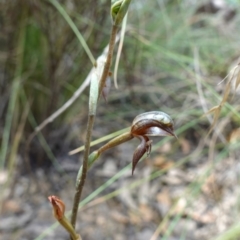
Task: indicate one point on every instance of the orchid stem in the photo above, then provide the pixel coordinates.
(96, 92)
(109, 59)
(81, 181)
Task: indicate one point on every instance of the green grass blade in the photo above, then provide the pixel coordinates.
(75, 29)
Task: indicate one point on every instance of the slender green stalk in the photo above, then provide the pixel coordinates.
(115, 142)
(67, 225)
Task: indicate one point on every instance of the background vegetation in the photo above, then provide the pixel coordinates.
(174, 57)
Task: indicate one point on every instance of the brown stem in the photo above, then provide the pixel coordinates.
(80, 185)
(109, 59)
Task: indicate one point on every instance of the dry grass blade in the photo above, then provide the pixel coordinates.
(66, 105)
(212, 110)
(226, 93)
(235, 78)
(217, 109)
(17, 137)
(12, 161)
(238, 78)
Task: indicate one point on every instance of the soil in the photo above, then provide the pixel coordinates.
(192, 202)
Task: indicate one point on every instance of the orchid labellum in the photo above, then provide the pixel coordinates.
(146, 125)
